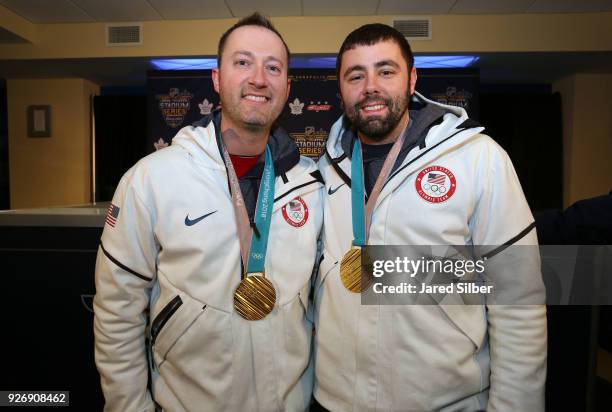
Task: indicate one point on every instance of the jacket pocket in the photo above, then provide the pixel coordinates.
(160, 320)
(469, 319)
(171, 323)
(195, 352)
(294, 359)
(326, 264)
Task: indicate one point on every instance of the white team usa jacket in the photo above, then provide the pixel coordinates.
(431, 357)
(174, 251)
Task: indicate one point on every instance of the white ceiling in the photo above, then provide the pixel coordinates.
(67, 11)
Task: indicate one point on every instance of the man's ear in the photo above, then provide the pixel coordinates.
(413, 79)
(215, 79)
(288, 88)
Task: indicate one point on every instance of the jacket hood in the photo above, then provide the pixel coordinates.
(202, 139)
(423, 117)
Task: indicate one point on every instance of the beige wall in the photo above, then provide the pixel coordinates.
(587, 135)
(56, 170)
(451, 33)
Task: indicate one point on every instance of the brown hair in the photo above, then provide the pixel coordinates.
(370, 34)
(254, 19)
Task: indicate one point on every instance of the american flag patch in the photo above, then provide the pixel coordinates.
(295, 206)
(112, 215)
(435, 178)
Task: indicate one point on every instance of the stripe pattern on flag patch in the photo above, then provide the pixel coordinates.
(112, 215)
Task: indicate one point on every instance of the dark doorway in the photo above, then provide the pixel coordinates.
(526, 122)
(4, 155)
(121, 138)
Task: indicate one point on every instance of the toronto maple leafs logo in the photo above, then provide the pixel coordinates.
(205, 107)
(296, 107)
(160, 144)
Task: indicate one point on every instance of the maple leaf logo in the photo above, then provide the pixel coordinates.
(296, 107)
(160, 144)
(205, 107)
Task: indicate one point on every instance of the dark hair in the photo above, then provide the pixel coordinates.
(370, 34)
(254, 19)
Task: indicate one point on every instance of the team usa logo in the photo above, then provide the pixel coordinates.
(436, 184)
(296, 212)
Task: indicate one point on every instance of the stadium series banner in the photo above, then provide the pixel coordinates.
(312, 108)
(179, 98)
(175, 99)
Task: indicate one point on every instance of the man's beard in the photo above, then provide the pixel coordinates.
(249, 119)
(378, 127)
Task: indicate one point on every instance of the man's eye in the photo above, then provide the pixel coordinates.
(355, 77)
(386, 72)
(274, 69)
(242, 63)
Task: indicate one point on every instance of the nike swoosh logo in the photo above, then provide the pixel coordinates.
(189, 222)
(332, 191)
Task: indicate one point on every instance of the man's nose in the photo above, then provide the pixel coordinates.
(258, 76)
(371, 85)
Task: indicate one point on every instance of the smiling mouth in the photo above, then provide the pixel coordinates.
(255, 98)
(373, 107)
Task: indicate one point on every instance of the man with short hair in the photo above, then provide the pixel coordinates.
(199, 235)
(425, 176)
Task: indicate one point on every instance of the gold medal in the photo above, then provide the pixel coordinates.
(255, 297)
(351, 270)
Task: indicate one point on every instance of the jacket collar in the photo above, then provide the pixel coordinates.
(425, 115)
(285, 153)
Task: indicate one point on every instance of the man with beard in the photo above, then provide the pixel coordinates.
(425, 176)
(197, 239)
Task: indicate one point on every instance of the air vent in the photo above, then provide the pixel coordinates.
(128, 34)
(414, 29)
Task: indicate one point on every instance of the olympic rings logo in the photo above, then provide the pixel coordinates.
(434, 188)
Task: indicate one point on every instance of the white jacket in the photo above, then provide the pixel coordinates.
(436, 357)
(206, 357)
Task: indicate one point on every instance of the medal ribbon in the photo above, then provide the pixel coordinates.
(253, 246)
(362, 211)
